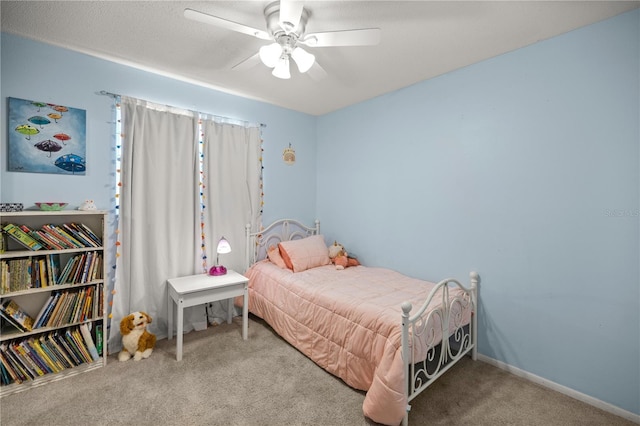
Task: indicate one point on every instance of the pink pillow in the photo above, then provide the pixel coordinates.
(306, 253)
(274, 256)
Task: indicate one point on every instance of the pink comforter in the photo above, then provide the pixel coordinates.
(347, 321)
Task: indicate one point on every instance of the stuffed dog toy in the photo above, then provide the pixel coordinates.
(137, 342)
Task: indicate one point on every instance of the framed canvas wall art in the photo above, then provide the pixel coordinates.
(46, 138)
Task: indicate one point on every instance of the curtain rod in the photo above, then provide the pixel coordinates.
(115, 95)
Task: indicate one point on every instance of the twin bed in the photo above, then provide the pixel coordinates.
(376, 329)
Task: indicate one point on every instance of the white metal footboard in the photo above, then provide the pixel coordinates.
(443, 333)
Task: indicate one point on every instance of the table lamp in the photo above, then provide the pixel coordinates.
(223, 247)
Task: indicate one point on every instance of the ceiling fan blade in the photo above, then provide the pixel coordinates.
(364, 37)
(225, 23)
(316, 72)
(290, 13)
(247, 63)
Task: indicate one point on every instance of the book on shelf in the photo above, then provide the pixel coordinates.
(53, 233)
(86, 308)
(88, 341)
(3, 241)
(17, 275)
(62, 354)
(60, 338)
(58, 230)
(22, 237)
(16, 372)
(77, 337)
(74, 314)
(26, 360)
(8, 325)
(5, 378)
(62, 278)
(60, 309)
(39, 273)
(13, 310)
(76, 347)
(50, 352)
(35, 357)
(63, 314)
(48, 233)
(79, 235)
(42, 343)
(99, 338)
(43, 319)
(16, 362)
(52, 316)
(43, 310)
(17, 378)
(53, 268)
(44, 359)
(88, 232)
(36, 236)
(4, 277)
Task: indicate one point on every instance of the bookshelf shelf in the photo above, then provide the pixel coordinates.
(51, 297)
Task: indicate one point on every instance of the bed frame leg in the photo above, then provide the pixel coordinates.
(475, 280)
(405, 419)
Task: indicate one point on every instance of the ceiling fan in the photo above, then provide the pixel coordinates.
(286, 24)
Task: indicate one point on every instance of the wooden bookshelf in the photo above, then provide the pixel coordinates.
(61, 287)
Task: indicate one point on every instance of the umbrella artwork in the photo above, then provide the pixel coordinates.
(60, 129)
(62, 137)
(71, 163)
(41, 121)
(48, 146)
(28, 130)
(39, 105)
(54, 116)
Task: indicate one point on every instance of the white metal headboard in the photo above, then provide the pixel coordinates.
(280, 230)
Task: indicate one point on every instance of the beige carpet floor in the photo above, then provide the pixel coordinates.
(223, 380)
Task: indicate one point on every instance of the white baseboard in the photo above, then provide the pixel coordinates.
(605, 406)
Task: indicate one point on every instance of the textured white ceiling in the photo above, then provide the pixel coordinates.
(420, 40)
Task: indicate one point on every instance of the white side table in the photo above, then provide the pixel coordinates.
(200, 289)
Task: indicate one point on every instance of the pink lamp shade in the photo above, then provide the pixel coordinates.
(223, 248)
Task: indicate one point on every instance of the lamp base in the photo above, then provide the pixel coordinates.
(217, 270)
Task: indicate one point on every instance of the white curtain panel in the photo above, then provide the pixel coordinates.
(232, 169)
(159, 216)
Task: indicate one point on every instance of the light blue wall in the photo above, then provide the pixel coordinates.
(524, 168)
(36, 71)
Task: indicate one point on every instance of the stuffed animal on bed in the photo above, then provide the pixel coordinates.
(137, 342)
(340, 258)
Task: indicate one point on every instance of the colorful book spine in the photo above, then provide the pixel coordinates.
(60, 338)
(9, 367)
(18, 366)
(99, 339)
(75, 347)
(12, 309)
(22, 237)
(89, 233)
(64, 357)
(88, 341)
(50, 351)
(78, 235)
(51, 234)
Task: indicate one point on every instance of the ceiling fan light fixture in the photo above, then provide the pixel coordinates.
(281, 70)
(270, 54)
(303, 59)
